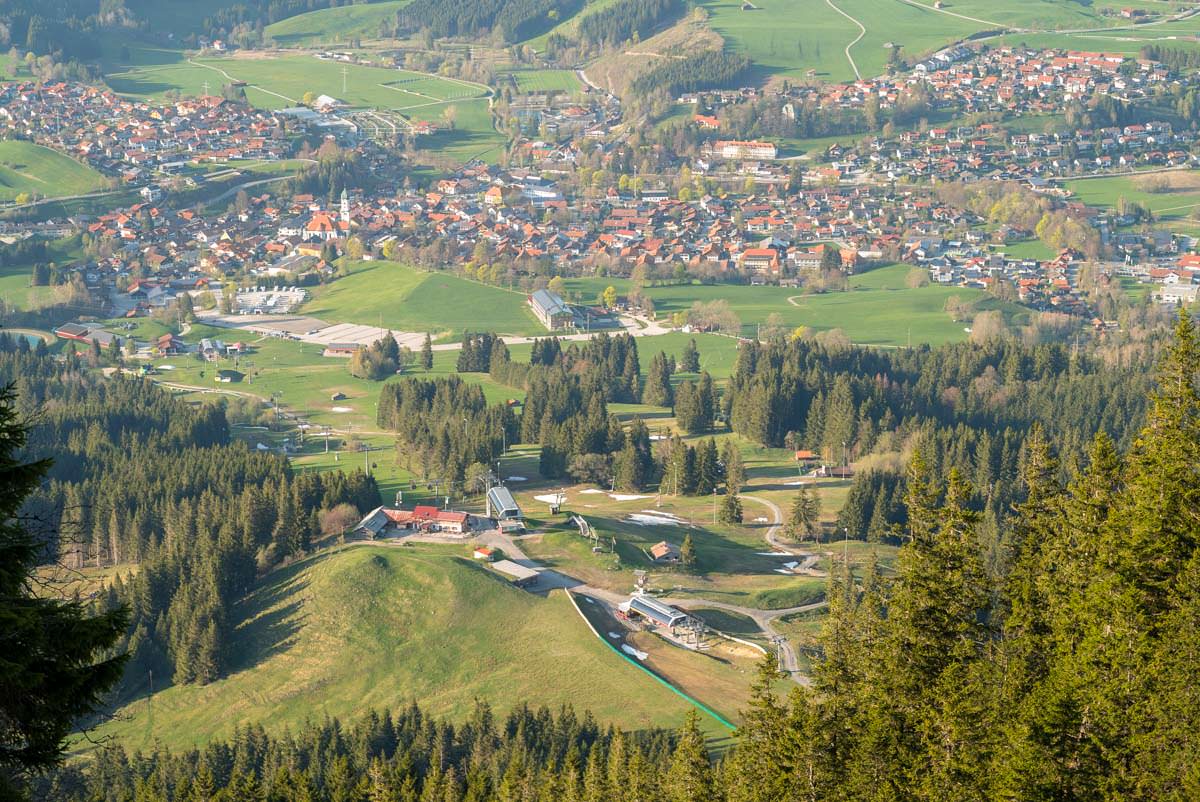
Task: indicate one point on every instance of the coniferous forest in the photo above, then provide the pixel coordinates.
(137, 476)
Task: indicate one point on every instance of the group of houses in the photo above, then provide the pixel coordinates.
(136, 141)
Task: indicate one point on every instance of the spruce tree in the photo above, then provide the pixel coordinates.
(689, 776)
(427, 353)
(731, 509)
(735, 468)
(57, 663)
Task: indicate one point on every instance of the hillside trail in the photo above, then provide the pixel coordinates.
(862, 32)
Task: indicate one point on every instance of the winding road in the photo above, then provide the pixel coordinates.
(553, 579)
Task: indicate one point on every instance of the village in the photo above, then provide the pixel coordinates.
(804, 223)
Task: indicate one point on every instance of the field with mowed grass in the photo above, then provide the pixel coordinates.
(406, 299)
(788, 38)
(29, 169)
(333, 25)
(15, 279)
(378, 626)
(528, 81)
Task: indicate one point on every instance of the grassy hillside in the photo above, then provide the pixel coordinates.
(329, 25)
(33, 169)
(377, 627)
(406, 299)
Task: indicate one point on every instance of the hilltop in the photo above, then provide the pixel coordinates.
(377, 626)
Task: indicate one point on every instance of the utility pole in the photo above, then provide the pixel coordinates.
(714, 505)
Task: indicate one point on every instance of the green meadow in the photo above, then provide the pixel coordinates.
(406, 299)
(15, 288)
(379, 626)
(26, 168)
(333, 25)
(274, 82)
(1179, 201)
(878, 309)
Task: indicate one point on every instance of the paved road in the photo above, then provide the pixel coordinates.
(552, 579)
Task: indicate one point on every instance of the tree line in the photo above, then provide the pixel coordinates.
(445, 429)
(515, 20)
(617, 23)
(711, 69)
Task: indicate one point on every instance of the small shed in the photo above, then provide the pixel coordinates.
(664, 552)
(520, 575)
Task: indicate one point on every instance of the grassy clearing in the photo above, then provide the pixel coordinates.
(405, 299)
(26, 168)
(878, 310)
(380, 626)
(1179, 199)
(15, 289)
(329, 25)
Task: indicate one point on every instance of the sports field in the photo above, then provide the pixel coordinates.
(373, 626)
(26, 168)
(333, 25)
(529, 81)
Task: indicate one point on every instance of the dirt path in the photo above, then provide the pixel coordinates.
(862, 32)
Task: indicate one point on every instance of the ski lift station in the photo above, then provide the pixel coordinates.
(501, 505)
(650, 608)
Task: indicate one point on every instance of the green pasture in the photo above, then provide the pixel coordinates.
(333, 25)
(406, 299)
(878, 310)
(378, 626)
(1105, 193)
(36, 170)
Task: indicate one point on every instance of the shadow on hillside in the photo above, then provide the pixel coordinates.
(271, 617)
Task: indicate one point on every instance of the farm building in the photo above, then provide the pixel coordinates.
(551, 310)
(382, 520)
(664, 552)
(501, 504)
(653, 610)
(518, 574)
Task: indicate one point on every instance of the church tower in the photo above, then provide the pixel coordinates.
(345, 206)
